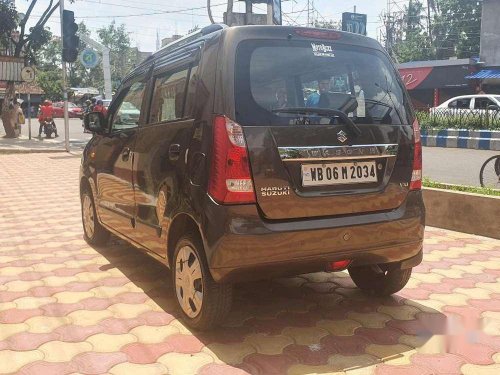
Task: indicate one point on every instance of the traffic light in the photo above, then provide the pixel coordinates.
(70, 41)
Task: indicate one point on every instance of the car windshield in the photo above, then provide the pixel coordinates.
(272, 76)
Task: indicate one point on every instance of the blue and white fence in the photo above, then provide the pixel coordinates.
(475, 139)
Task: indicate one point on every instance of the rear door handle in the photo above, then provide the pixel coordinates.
(174, 151)
(125, 153)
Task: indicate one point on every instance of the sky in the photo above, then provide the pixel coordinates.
(144, 19)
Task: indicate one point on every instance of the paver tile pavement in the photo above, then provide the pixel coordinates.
(66, 307)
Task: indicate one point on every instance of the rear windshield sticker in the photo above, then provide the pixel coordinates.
(322, 50)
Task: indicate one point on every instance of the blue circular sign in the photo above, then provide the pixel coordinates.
(89, 58)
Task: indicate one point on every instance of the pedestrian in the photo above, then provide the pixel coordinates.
(19, 118)
(9, 122)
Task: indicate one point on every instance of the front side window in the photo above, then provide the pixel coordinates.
(129, 111)
(272, 76)
(168, 97)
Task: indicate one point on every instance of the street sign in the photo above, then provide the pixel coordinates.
(89, 58)
(10, 68)
(354, 23)
(28, 74)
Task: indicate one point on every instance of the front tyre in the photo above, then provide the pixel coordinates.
(203, 303)
(93, 232)
(379, 282)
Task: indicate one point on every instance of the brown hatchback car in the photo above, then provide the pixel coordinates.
(258, 152)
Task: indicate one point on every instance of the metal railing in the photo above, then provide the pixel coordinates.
(449, 118)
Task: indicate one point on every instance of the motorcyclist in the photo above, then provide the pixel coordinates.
(99, 107)
(45, 115)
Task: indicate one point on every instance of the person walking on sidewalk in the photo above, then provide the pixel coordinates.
(9, 121)
(18, 118)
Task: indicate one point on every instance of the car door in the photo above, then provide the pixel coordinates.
(114, 160)
(159, 157)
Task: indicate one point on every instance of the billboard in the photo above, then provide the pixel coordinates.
(354, 23)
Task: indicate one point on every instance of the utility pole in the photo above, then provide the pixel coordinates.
(248, 12)
(429, 26)
(64, 84)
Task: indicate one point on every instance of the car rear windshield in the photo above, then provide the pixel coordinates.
(273, 76)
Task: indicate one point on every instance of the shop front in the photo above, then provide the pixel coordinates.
(431, 83)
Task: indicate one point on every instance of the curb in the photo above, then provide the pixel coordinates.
(462, 212)
(5, 151)
(472, 139)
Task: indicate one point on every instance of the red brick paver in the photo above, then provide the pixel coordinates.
(66, 307)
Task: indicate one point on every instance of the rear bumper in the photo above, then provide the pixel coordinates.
(248, 248)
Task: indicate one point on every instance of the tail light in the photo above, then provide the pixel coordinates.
(339, 265)
(230, 179)
(416, 176)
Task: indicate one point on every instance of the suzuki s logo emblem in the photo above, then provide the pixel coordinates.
(342, 136)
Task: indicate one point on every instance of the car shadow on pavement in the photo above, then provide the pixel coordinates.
(309, 323)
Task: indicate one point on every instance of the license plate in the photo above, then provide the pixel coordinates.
(339, 173)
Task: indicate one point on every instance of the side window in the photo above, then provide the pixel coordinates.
(460, 104)
(128, 113)
(168, 96)
(482, 103)
(191, 92)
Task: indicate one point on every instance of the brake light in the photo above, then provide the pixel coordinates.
(339, 265)
(318, 34)
(416, 176)
(230, 179)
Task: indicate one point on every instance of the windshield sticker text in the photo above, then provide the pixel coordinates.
(322, 50)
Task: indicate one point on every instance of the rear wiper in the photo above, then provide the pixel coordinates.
(324, 112)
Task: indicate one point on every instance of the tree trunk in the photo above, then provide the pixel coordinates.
(7, 113)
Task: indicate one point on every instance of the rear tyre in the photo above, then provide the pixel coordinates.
(379, 282)
(202, 302)
(93, 232)
(490, 173)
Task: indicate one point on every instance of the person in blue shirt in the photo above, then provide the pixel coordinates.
(320, 99)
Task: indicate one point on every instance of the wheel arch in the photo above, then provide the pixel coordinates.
(182, 223)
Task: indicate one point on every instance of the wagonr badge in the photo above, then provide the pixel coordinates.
(342, 136)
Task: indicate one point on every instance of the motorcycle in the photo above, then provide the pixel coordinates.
(49, 127)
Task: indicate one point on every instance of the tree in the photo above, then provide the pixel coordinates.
(49, 71)
(122, 56)
(26, 44)
(415, 44)
(449, 28)
(457, 28)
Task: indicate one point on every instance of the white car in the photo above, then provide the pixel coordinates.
(468, 103)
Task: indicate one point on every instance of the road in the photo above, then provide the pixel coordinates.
(75, 129)
(454, 165)
(447, 165)
(67, 307)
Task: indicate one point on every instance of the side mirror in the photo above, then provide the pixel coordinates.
(493, 108)
(95, 122)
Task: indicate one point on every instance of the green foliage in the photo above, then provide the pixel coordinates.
(457, 28)
(454, 32)
(122, 56)
(51, 83)
(466, 189)
(8, 22)
(470, 121)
